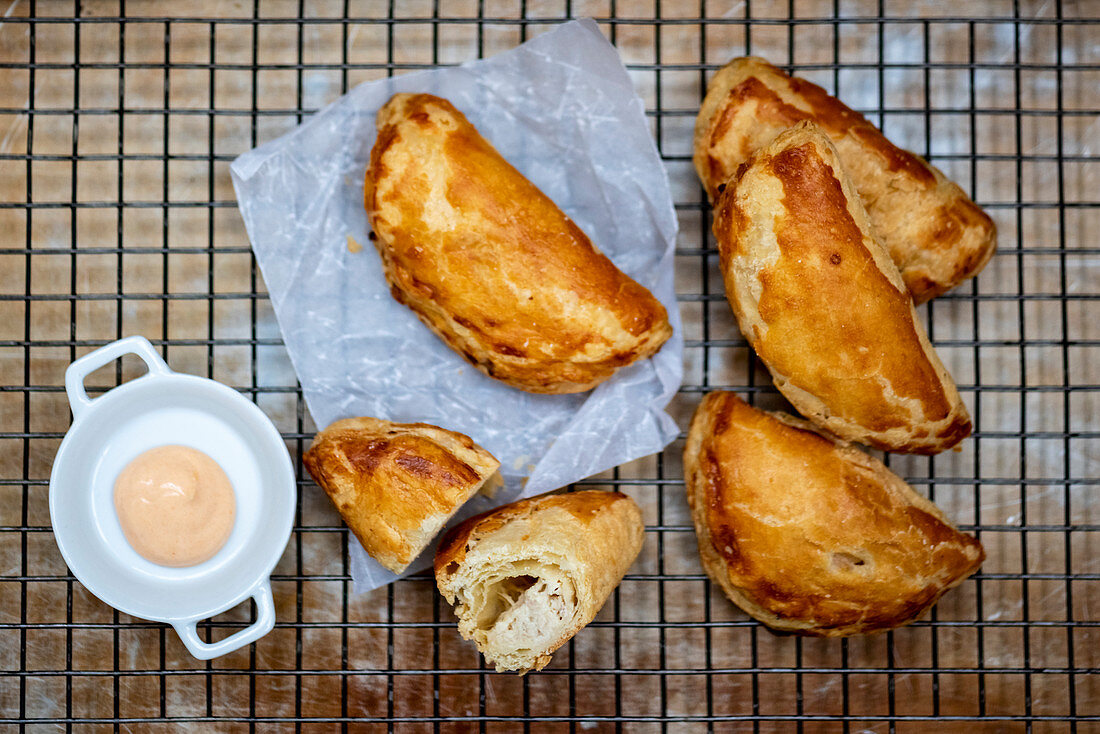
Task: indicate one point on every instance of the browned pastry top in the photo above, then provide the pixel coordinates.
(829, 113)
(491, 264)
(583, 506)
(824, 307)
(935, 234)
(809, 534)
(396, 484)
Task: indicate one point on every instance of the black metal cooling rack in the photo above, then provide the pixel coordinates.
(117, 125)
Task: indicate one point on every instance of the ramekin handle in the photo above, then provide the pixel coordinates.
(81, 368)
(265, 622)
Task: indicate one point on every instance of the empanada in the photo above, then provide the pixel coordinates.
(808, 534)
(528, 576)
(396, 484)
(824, 307)
(935, 234)
(490, 264)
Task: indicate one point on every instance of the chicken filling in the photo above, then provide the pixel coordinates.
(526, 612)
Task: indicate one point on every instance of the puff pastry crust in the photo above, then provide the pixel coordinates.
(809, 535)
(819, 299)
(935, 234)
(528, 576)
(491, 265)
(396, 484)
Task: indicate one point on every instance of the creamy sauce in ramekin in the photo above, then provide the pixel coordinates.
(176, 505)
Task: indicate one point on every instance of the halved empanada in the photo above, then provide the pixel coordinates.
(396, 484)
(528, 576)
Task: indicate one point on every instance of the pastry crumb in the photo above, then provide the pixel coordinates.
(492, 485)
(353, 246)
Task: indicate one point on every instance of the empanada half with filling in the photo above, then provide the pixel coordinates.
(528, 576)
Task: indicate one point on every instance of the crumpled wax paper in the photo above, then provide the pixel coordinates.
(562, 109)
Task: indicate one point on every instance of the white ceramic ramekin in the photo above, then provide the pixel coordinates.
(158, 408)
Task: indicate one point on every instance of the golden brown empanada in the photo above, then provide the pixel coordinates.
(528, 576)
(935, 234)
(490, 264)
(396, 484)
(824, 307)
(808, 534)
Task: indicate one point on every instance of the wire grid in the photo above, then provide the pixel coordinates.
(117, 126)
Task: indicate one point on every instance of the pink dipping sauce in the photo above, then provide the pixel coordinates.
(176, 505)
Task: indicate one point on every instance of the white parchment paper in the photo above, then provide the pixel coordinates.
(562, 109)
